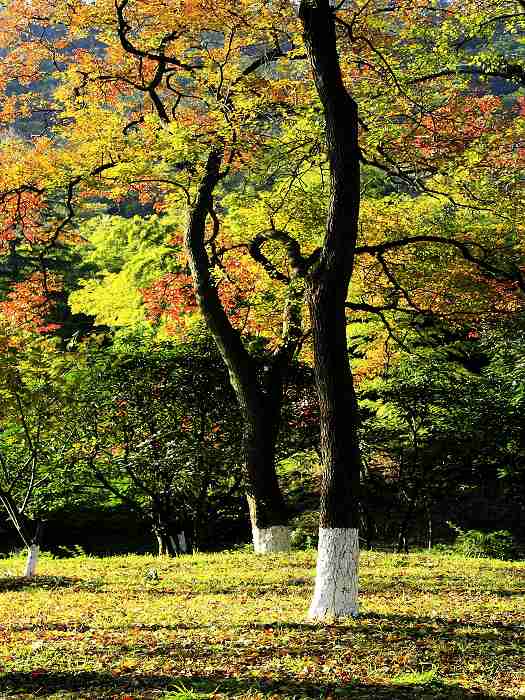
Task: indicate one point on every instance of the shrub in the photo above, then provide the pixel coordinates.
(305, 531)
(498, 544)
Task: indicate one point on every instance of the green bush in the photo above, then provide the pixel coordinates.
(305, 533)
(75, 550)
(498, 544)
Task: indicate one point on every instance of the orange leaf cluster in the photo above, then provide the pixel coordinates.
(30, 302)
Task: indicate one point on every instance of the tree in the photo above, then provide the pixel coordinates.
(336, 583)
(173, 295)
(440, 432)
(388, 100)
(31, 435)
(157, 427)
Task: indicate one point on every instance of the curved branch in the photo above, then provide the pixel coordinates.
(240, 365)
(298, 264)
(123, 29)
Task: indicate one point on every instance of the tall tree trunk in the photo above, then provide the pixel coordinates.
(336, 586)
(268, 511)
(267, 507)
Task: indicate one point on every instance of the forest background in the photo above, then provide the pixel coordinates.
(120, 428)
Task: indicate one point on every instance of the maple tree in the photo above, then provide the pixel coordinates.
(184, 104)
(262, 477)
(332, 283)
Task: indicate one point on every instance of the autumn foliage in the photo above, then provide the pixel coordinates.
(122, 101)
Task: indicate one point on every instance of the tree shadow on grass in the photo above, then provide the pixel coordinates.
(375, 587)
(209, 588)
(490, 581)
(402, 624)
(102, 685)
(168, 587)
(399, 621)
(77, 626)
(47, 583)
(364, 623)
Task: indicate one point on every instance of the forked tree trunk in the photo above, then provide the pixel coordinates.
(268, 511)
(268, 538)
(336, 587)
(269, 514)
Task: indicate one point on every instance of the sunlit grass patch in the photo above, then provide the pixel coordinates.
(233, 625)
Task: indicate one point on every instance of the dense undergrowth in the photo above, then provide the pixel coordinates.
(232, 626)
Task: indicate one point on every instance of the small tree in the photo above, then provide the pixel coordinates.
(30, 434)
(157, 427)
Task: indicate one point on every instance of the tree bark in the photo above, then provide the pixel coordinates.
(268, 512)
(33, 550)
(261, 413)
(327, 289)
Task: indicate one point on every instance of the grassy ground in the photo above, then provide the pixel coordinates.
(232, 626)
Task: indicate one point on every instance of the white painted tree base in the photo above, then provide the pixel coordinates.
(271, 539)
(179, 546)
(31, 561)
(336, 581)
(183, 545)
